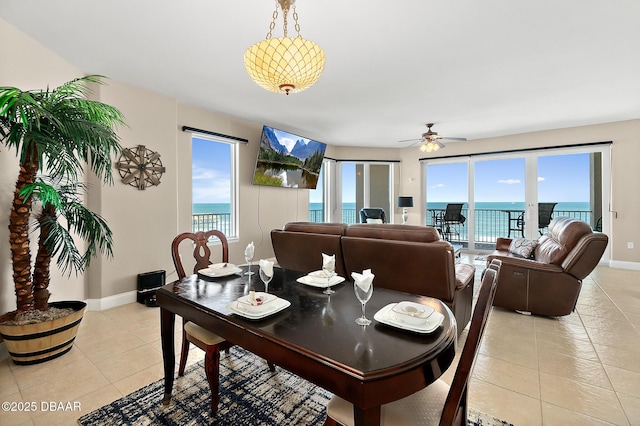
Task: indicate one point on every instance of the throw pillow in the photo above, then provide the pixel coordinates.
(523, 247)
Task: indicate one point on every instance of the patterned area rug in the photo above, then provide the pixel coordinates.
(249, 395)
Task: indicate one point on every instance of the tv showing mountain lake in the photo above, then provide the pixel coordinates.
(288, 160)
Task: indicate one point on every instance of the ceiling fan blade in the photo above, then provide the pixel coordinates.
(445, 138)
(142, 183)
(410, 140)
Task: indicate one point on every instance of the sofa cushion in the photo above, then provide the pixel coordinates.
(316, 228)
(387, 231)
(523, 247)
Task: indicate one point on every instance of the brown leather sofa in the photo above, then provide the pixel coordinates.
(299, 245)
(550, 283)
(407, 258)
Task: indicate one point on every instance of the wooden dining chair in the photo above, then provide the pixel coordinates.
(438, 403)
(209, 342)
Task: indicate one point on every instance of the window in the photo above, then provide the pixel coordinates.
(316, 198)
(365, 184)
(516, 194)
(213, 185)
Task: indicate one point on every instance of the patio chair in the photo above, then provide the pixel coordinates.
(447, 222)
(545, 214)
(372, 215)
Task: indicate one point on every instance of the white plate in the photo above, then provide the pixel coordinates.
(388, 317)
(274, 307)
(219, 270)
(320, 282)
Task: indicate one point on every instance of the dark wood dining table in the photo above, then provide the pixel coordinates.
(316, 337)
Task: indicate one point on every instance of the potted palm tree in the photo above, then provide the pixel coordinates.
(56, 134)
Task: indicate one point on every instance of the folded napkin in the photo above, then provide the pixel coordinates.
(267, 267)
(363, 280)
(249, 251)
(329, 262)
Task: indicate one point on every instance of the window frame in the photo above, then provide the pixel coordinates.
(233, 234)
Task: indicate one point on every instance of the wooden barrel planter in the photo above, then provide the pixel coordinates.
(36, 343)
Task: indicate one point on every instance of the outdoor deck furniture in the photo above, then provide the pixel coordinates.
(447, 222)
(516, 218)
(372, 215)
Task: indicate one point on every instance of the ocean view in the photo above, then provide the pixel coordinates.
(213, 208)
(491, 220)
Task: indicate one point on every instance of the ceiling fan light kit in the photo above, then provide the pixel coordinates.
(431, 141)
(284, 65)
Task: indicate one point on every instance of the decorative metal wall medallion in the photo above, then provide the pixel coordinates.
(140, 167)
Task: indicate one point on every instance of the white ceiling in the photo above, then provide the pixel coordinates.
(476, 68)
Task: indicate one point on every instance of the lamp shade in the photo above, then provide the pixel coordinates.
(405, 201)
(284, 65)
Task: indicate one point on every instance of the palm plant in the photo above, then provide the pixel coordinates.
(56, 132)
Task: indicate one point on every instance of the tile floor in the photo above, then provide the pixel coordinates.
(582, 369)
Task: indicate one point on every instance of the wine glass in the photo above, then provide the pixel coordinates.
(248, 257)
(363, 296)
(265, 279)
(329, 269)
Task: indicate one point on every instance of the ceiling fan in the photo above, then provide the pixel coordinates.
(431, 141)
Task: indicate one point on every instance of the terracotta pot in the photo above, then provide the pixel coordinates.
(36, 343)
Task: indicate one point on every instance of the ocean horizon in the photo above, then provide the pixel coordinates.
(213, 208)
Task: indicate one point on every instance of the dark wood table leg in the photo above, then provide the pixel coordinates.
(368, 417)
(167, 327)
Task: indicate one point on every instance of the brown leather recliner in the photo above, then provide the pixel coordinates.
(412, 259)
(550, 283)
(299, 245)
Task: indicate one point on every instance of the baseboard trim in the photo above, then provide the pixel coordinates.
(111, 301)
(620, 264)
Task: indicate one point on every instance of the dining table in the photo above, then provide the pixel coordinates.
(315, 335)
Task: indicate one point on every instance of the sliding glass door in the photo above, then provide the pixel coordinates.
(365, 184)
(517, 194)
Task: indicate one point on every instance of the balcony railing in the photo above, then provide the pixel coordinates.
(208, 221)
(348, 216)
(491, 224)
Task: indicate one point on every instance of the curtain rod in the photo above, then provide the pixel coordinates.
(208, 132)
(509, 151)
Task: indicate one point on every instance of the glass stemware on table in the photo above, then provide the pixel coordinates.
(363, 287)
(266, 273)
(329, 270)
(248, 256)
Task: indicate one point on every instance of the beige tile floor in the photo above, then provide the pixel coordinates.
(582, 369)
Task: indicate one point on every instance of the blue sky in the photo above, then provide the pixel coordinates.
(561, 178)
(211, 167)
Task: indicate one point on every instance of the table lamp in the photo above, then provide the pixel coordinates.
(405, 202)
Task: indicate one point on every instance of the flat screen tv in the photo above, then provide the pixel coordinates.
(288, 160)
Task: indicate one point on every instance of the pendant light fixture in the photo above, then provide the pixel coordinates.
(284, 65)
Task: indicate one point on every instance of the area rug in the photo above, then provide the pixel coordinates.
(249, 395)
